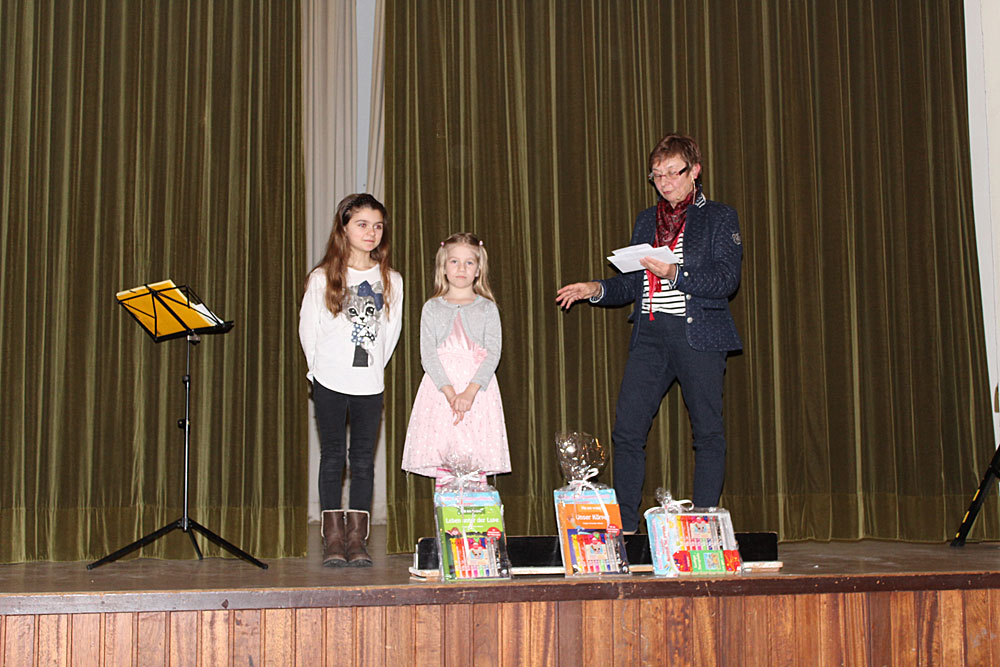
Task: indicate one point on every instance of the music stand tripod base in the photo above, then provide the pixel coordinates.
(192, 525)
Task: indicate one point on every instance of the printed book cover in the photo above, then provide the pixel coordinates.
(590, 531)
(471, 539)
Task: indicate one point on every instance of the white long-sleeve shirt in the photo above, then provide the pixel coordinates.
(336, 347)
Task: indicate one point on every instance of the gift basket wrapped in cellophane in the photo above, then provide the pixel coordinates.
(472, 543)
(684, 539)
(587, 514)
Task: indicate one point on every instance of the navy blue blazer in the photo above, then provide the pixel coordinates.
(710, 275)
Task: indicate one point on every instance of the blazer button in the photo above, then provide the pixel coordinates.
(686, 274)
(690, 320)
(688, 297)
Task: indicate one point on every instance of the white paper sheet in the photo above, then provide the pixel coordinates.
(627, 259)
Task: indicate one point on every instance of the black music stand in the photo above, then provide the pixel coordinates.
(978, 498)
(167, 311)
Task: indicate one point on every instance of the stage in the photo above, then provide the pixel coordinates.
(866, 602)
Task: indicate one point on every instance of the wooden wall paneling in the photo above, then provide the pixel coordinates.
(52, 643)
(928, 618)
(182, 637)
(18, 641)
(992, 622)
(399, 636)
(626, 628)
(679, 649)
(247, 637)
(486, 629)
(903, 617)
(880, 628)
(781, 612)
(983, 612)
(456, 634)
(569, 633)
(756, 629)
(831, 631)
(515, 624)
(369, 623)
(339, 632)
(428, 626)
(151, 630)
(807, 622)
(856, 628)
(652, 630)
(597, 620)
(309, 645)
(119, 639)
(732, 631)
(541, 632)
(705, 630)
(86, 638)
(214, 638)
(952, 605)
(278, 637)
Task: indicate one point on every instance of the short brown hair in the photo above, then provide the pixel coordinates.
(675, 144)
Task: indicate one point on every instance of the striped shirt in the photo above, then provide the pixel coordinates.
(668, 301)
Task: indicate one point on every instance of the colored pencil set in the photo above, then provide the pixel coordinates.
(692, 542)
(471, 538)
(590, 535)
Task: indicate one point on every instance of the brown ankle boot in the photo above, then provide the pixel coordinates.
(357, 535)
(332, 531)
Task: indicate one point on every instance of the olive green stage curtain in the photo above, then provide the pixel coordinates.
(140, 141)
(837, 129)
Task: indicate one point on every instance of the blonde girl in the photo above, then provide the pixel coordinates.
(457, 413)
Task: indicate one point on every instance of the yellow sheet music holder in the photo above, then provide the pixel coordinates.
(165, 311)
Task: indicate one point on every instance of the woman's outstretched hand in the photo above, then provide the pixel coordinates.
(570, 294)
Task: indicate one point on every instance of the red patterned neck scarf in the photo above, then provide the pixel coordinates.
(670, 220)
(669, 225)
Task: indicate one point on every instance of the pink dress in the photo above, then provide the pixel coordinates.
(481, 436)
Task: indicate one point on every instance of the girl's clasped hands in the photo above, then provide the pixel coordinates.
(461, 403)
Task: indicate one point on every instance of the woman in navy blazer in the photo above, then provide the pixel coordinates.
(682, 328)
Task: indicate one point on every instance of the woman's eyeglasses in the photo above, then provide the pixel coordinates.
(669, 176)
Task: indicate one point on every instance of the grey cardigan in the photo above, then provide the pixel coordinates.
(481, 321)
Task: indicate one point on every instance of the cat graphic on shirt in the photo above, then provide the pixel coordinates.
(362, 307)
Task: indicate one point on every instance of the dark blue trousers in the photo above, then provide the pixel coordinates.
(332, 412)
(660, 356)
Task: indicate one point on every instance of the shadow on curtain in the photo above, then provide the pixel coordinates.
(859, 407)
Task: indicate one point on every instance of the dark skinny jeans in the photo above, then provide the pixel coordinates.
(333, 410)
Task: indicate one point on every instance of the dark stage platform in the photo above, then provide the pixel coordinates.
(838, 602)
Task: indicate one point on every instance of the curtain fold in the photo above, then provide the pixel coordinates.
(376, 116)
(144, 141)
(838, 130)
(330, 110)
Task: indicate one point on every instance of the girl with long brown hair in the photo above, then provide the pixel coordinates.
(349, 324)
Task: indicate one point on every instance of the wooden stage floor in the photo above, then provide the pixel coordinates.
(854, 603)
(227, 583)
